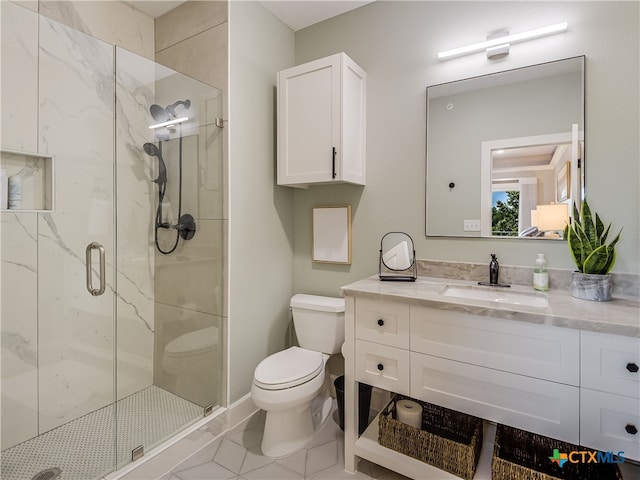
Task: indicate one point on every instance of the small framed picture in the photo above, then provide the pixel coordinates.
(563, 183)
(332, 234)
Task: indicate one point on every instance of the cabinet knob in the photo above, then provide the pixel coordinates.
(380, 367)
(381, 323)
(631, 429)
(632, 367)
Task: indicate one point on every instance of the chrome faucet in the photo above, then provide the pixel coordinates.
(494, 272)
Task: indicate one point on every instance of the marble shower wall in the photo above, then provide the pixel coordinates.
(66, 108)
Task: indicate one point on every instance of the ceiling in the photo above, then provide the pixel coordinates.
(295, 14)
(300, 14)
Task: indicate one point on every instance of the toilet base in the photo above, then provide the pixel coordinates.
(286, 431)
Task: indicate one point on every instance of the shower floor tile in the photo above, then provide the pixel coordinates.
(86, 447)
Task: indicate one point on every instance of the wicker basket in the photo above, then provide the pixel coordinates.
(448, 439)
(520, 455)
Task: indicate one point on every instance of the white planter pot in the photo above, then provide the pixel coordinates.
(589, 286)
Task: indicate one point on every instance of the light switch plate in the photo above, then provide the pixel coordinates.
(472, 225)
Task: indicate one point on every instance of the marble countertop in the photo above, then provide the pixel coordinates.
(620, 316)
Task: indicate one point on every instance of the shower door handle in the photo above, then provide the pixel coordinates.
(95, 291)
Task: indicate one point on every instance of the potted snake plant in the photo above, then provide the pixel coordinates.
(594, 257)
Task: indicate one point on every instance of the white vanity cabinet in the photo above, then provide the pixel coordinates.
(521, 375)
(576, 386)
(321, 122)
(610, 393)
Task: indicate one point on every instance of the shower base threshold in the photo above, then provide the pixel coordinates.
(86, 448)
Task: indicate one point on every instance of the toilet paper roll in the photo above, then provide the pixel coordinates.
(409, 412)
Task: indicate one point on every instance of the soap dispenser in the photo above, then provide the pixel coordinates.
(540, 274)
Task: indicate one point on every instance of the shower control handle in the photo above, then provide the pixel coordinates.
(89, 250)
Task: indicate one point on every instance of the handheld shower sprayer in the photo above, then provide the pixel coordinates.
(153, 151)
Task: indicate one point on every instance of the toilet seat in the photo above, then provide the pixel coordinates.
(193, 343)
(288, 368)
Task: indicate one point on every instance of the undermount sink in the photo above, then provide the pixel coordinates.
(495, 294)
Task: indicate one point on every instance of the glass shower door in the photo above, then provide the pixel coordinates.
(170, 255)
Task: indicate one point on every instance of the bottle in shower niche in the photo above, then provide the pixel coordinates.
(15, 192)
(541, 274)
(4, 187)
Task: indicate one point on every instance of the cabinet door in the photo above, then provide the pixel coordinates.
(610, 363)
(308, 122)
(383, 322)
(538, 406)
(610, 422)
(540, 351)
(382, 366)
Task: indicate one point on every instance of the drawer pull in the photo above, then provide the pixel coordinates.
(381, 323)
(380, 367)
(631, 429)
(632, 367)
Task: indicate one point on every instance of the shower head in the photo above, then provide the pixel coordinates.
(159, 114)
(169, 112)
(153, 151)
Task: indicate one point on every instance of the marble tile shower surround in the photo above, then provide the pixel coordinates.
(113, 22)
(624, 284)
(59, 99)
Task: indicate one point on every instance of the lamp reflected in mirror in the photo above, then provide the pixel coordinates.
(397, 259)
(550, 220)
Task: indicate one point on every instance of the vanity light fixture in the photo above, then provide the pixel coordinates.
(499, 46)
(169, 123)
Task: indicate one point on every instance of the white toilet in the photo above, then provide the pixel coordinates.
(290, 385)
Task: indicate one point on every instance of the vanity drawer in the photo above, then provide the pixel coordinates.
(540, 351)
(383, 322)
(538, 406)
(382, 366)
(605, 419)
(610, 363)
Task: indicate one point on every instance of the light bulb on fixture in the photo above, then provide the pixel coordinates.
(496, 46)
(169, 123)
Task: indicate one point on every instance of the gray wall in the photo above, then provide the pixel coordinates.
(260, 213)
(396, 43)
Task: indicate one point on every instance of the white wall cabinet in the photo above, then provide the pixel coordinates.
(321, 122)
(576, 386)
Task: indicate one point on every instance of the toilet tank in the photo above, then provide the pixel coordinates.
(319, 322)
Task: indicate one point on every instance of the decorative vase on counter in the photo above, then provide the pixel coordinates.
(591, 286)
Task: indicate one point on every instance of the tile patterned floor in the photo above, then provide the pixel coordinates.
(236, 455)
(85, 448)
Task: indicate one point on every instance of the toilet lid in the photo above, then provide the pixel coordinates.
(288, 368)
(193, 343)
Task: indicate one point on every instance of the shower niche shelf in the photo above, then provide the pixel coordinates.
(36, 170)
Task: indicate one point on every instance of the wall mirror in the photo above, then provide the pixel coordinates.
(503, 147)
(397, 259)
